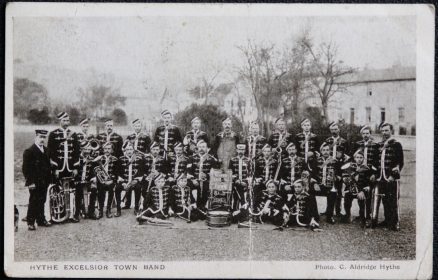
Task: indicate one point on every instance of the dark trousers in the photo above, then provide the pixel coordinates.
(203, 195)
(240, 216)
(364, 206)
(79, 199)
(238, 196)
(136, 190)
(118, 194)
(35, 210)
(331, 201)
(101, 193)
(93, 198)
(338, 203)
(184, 213)
(390, 200)
(258, 193)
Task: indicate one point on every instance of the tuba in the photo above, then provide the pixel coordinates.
(101, 174)
(61, 200)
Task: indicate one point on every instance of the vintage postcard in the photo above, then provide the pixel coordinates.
(219, 140)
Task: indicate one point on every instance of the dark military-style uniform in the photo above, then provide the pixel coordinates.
(201, 164)
(291, 169)
(36, 170)
(64, 151)
(264, 170)
(303, 208)
(177, 166)
(153, 166)
(182, 202)
(278, 140)
(111, 166)
(254, 145)
(83, 183)
(370, 150)
(224, 147)
(240, 167)
(307, 142)
(390, 164)
(276, 205)
(158, 201)
(84, 137)
(192, 138)
(115, 139)
(167, 137)
(130, 169)
(356, 178)
(141, 143)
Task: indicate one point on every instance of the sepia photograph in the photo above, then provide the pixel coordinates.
(149, 136)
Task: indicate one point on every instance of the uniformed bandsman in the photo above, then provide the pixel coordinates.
(265, 169)
(303, 207)
(131, 174)
(225, 142)
(105, 179)
(254, 142)
(64, 149)
(158, 201)
(110, 136)
(177, 163)
(272, 208)
(182, 200)
(390, 166)
(369, 147)
(84, 134)
(167, 135)
(83, 183)
(307, 143)
(154, 165)
(193, 136)
(280, 138)
(198, 169)
(240, 167)
(291, 168)
(356, 177)
(326, 172)
(139, 139)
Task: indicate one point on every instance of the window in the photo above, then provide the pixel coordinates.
(352, 115)
(401, 114)
(382, 114)
(368, 114)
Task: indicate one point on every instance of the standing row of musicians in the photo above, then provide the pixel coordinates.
(274, 167)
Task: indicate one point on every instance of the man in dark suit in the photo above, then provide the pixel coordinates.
(36, 170)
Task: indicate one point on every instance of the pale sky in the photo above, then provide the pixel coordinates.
(179, 50)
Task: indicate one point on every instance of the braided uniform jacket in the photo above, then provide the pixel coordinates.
(193, 167)
(287, 138)
(115, 139)
(276, 203)
(370, 150)
(181, 197)
(265, 168)
(189, 147)
(159, 199)
(64, 149)
(142, 142)
(312, 143)
(134, 165)
(245, 166)
(292, 167)
(85, 170)
(183, 161)
(82, 136)
(391, 159)
(161, 164)
(110, 163)
(360, 174)
(341, 147)
(173, 136)
(254, 145)
(326, 171)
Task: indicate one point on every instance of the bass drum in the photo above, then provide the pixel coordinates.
(218, 218)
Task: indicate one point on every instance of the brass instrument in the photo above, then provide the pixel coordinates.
(102, 175)
(61, 200)
(329, 182)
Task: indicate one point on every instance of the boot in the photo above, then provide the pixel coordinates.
(118, 213)
(100, 214)
(108, 213)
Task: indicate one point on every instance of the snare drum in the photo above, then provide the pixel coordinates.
(218, 218)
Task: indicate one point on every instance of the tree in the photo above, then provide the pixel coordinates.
(39, 116)
(99, 100)
(74, 114)
(206, 87)
(327, 69)
(119, 116)
(29, 95)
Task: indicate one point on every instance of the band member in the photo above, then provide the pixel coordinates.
(198, 169)
(271, 208)
(291, 168)
(304, 210)
(369, 148)
(193, 136)
(307, 142)
(254, 142)
(265, 169)
(36, 171)
(240, 166)
(390, 165)
(338, 150)
(177, 163)
(167, 135)
(64, 149)
(154, 165)
(356, 177)
(280, 138)
(140, 140)
(105, 178)
(110, 136)
(158, 201)
(84, 135)
(327, 173)
(182, 200)
(225, 144)
(83, 183)
(131, 175)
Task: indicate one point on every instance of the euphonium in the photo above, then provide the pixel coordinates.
(101, 174)
(61, 200)
(94, 144)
